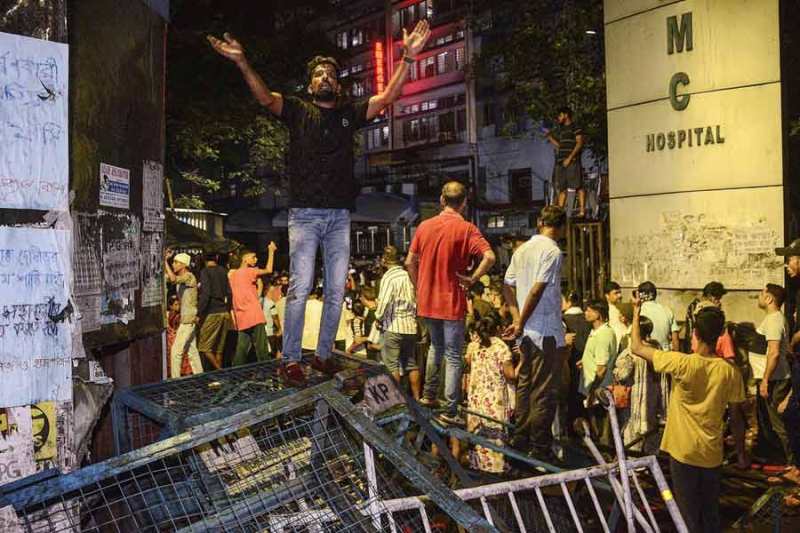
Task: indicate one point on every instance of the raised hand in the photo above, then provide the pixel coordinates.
(229, 48)
(414, 42)
(272, 247)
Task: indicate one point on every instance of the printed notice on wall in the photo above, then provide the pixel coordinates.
(152, 196)
(115, 186)
(152, 270)
(35, 318)
(16, 445)
(34, 154)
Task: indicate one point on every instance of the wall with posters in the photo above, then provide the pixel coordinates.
(81, 219)
(117, 167)
(696, 131)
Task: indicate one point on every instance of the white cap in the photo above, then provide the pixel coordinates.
(183, 258)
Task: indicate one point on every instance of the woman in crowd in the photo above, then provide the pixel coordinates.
(636, 395)
(491, 392)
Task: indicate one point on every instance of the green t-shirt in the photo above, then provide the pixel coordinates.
(601, 350)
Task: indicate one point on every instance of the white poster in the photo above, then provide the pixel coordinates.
(35, 327)
(88, 312)
(115, 186)
(34, 158)
(153, 196)
(152, 270)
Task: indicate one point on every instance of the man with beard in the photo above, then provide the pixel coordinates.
(322, 188)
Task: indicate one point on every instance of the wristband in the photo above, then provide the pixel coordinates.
(409, 60)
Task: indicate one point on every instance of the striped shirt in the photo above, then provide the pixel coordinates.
(397, 304)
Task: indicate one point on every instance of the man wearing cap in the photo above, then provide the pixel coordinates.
(711, 297)
(186, 337)
(397, 314)
(322, 187)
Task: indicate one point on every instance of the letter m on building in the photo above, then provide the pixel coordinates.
(679, 37)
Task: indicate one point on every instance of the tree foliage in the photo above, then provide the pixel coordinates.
(540, 55)
(217, 135)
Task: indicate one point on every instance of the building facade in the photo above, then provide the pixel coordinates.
(446, 124)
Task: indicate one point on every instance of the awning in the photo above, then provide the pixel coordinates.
(181, 234)
(371, 208)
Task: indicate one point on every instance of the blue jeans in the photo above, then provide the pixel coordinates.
(308, 230)
(447, 339)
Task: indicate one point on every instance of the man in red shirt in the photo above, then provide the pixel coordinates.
(248, 316)
(441, 252)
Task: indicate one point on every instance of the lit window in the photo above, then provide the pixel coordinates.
(441, 63)
(460, 58)
(433, 104)
(357, 37)
(448, 38)
(427, 67)
(412, 71)
(415, 108)
(460, 34)
(424, 106)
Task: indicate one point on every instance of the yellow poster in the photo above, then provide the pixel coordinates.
(43, 417)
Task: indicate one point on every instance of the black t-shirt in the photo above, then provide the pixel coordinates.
(321, 153)
(214, 291)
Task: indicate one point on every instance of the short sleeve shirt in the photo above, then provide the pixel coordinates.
(187, 292)
(567, 137)
(601, 350)
(702, 387)
(320, 162)
(664, 323)
(246, 306)
(774, 328)
(446, 245)
(539, 260)
(270, 313)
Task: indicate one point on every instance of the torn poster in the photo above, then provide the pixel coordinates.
(16, 446)
(152, 270)
(35, 316)
(43, 423)
(153, 196)
(115, 186)
(88, 312)
(86, 257)
(34, 158)
(121, 246)
(51, 425)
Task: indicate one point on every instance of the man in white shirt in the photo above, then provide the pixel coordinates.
(397, 315)
(313, 320)
(665, 328)
(532, 290)
(613, 294)
(771, 370)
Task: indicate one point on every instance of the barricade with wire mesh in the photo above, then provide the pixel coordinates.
(147, 413)
(302, 463)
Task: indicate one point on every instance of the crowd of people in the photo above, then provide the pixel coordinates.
(503, 352)
(489, 334)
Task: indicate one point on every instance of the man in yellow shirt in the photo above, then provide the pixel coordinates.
(703, 386)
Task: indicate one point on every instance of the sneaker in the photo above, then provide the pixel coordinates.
(452, 420)
(429, 403)
(293, 374)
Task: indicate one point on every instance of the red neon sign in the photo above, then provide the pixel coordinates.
(380, 74)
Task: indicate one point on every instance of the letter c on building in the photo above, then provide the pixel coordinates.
(678, 103)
